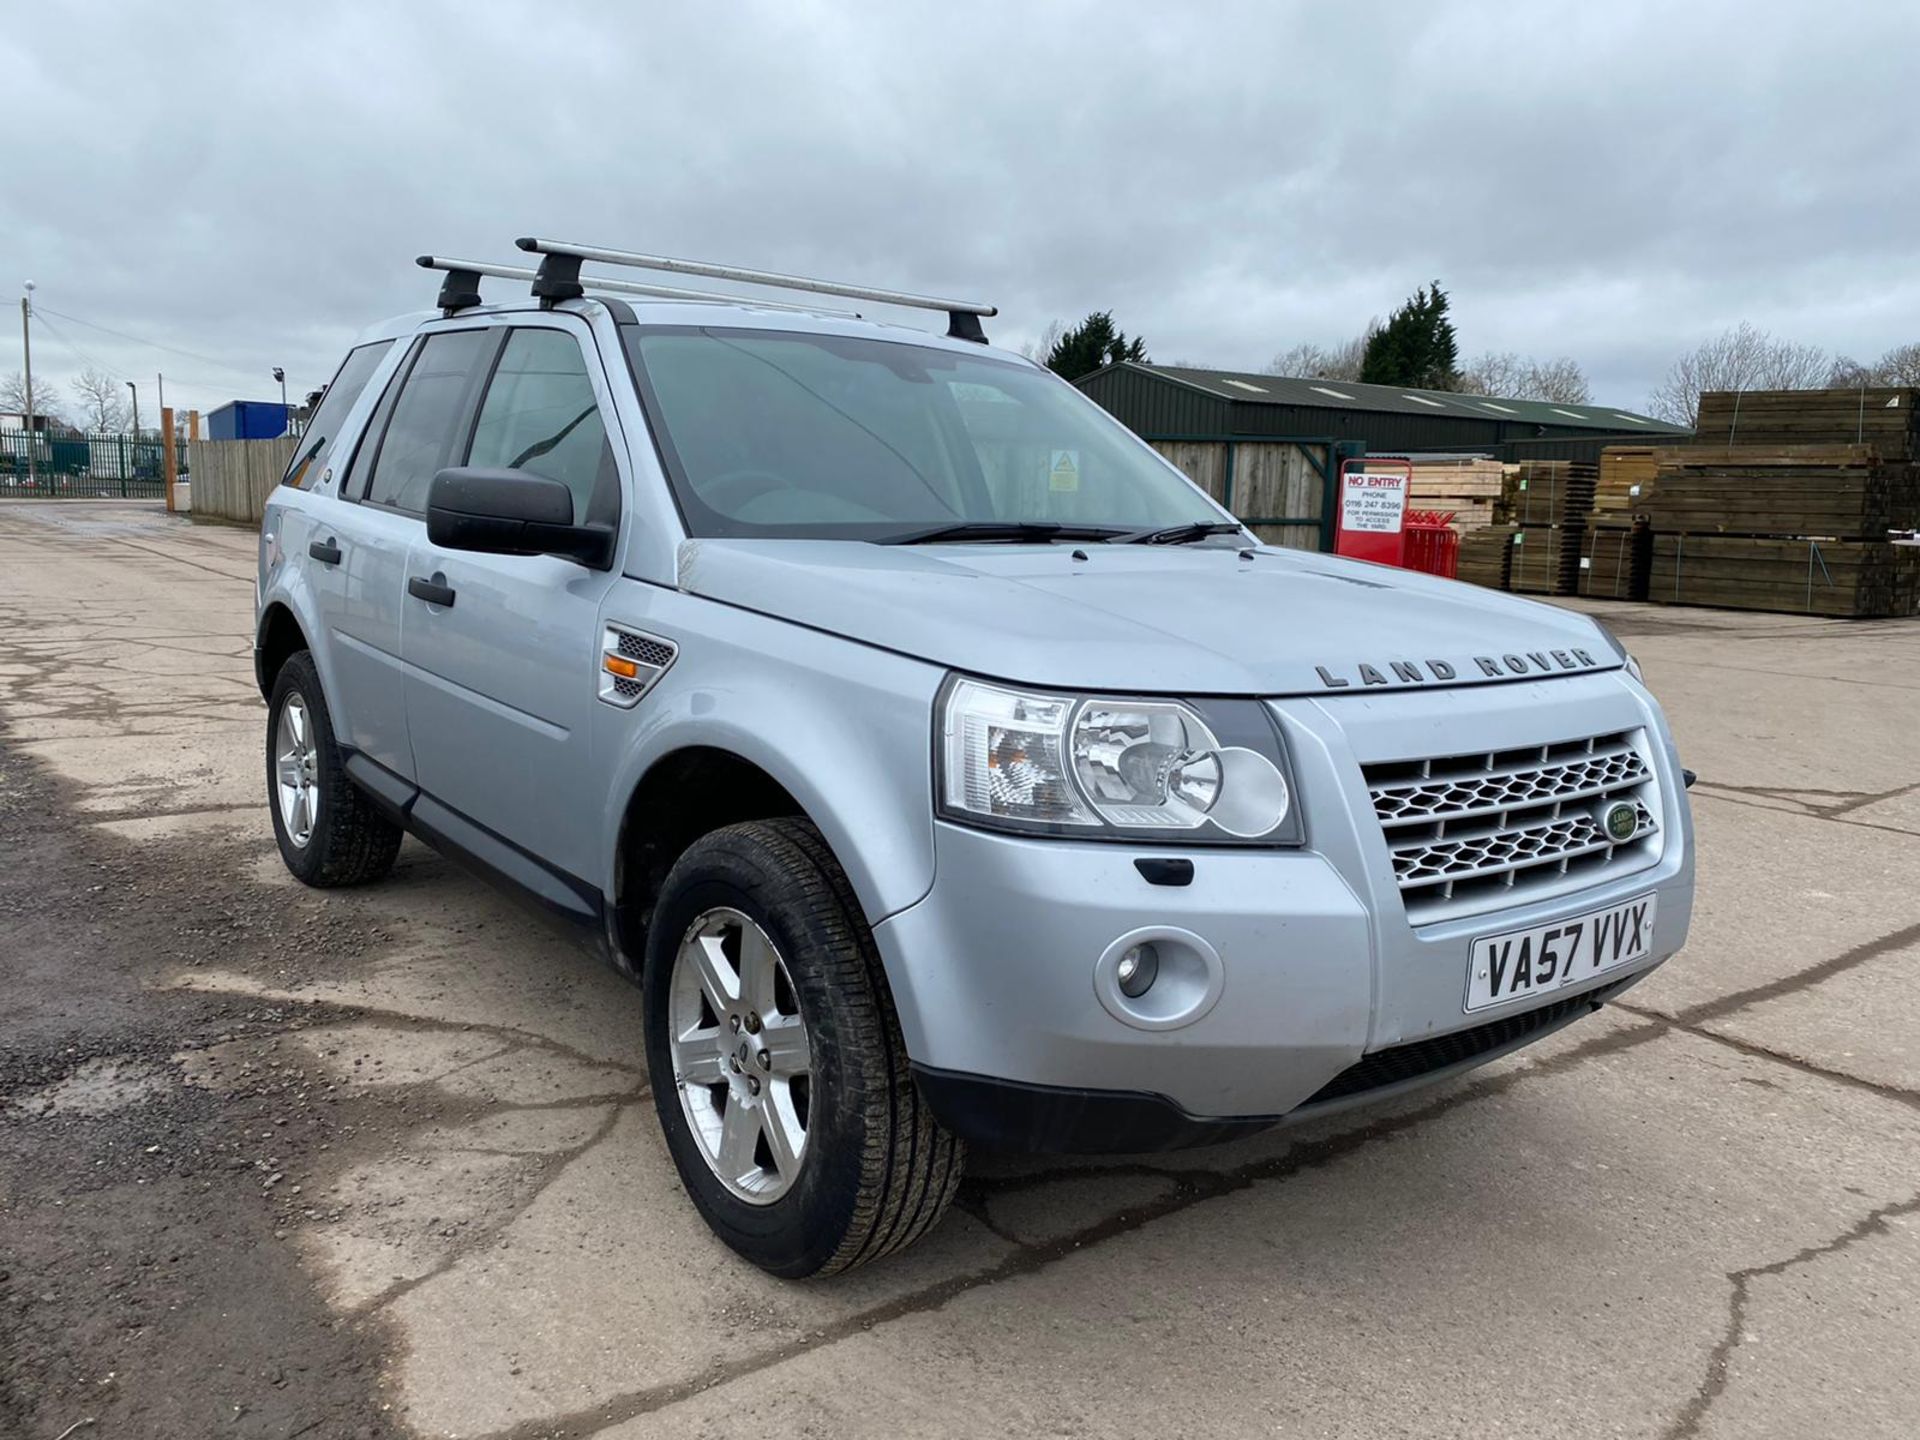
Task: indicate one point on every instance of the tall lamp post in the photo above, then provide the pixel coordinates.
(26, 346)
(286, 418)
(136, 408)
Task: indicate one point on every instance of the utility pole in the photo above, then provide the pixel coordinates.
(160, 383)
(26, 345)
(136, 408)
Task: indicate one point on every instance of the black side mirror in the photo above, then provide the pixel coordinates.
(511, 512)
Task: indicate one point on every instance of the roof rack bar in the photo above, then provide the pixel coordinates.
(478, 268)
(963, 316)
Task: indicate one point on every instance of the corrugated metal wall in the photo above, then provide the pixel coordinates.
(1154, 409)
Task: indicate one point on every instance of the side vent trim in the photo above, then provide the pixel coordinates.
(631, 664)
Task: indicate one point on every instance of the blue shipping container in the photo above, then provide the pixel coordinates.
(247, 420)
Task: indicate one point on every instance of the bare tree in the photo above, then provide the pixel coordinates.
(1496, 373)
(1561, 381)
(1311, 361)
(1899, 366)
(1847, 373)
(103, 405)
(1504, 374)
(1040, 349)
(1743, 358)
(13, 397)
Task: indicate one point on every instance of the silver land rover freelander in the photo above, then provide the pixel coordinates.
(943, 765)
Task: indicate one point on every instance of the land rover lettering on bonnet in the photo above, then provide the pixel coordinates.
(1478, 667)
(942, 765)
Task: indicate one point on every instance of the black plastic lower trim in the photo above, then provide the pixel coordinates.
(1417, 1059)
(473, 845)
(1060, 1120)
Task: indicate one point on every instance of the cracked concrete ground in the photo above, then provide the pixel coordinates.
(1695, 1214)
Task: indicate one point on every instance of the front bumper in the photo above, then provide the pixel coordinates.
(997, 973)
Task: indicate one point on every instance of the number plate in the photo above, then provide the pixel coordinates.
(1547, 958)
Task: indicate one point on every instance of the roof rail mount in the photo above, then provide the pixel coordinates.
(963, 316)
(459, 291)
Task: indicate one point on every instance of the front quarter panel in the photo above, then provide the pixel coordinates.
(846, 729)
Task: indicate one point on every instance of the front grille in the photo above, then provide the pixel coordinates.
(1480, 831)
(1400, 1063)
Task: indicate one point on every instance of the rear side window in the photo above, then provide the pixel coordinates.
(309, 462)
(422, 434)
(540, 416)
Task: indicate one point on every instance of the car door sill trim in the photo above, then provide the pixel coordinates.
(471, 844)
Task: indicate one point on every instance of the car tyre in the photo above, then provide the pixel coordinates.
(330, 832)
(875, 1170)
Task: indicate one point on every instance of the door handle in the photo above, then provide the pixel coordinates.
(325, 551)
(431, 591)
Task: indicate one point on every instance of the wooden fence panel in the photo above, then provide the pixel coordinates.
(1201, 461)
(1271, 481)
(231, 479)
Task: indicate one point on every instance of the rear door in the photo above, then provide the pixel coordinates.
(500, 684)
(359, 559)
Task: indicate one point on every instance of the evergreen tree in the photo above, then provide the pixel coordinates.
(1091, 344)
(1416, 347)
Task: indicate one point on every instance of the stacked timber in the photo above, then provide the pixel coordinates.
(1550, 500)
(1883, 417)
(1541, 562)
(1470, 486)
(1841, 492)
(1625, 483)
(1784, 503)
(1846, 578)
(1616, 560)
(1485, 556)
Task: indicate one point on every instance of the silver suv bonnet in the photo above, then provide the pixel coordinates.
(1171, 619)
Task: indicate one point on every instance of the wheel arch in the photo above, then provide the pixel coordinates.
(277, 638)
(710, 778)
(684, 794)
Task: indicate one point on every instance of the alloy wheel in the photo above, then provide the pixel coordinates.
(742, 1060)
(296, 770)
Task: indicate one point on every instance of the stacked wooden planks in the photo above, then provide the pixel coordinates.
(1854, 579)
(1541, 562)
(1469, 486)
(1485, 556)
(1616, 561)
(1550, 500)
(1883, 417)
(1625, 482)
(1785, 501)
(1838, 491)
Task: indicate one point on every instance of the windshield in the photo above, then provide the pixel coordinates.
(771, 433)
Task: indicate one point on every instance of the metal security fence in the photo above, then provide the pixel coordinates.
(113, 467)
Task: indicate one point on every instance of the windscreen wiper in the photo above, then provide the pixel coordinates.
(1178, 534)
(1030, 531)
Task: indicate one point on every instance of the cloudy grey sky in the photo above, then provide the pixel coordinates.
(1610, 180)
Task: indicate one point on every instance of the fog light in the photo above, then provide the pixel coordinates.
(1137, 971)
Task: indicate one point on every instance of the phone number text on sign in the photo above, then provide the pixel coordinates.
(1375, 504)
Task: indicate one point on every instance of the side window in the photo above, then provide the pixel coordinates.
(540, 416)
(421, 436)
(307, 464)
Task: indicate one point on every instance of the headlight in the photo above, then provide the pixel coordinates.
(1620, 649)
(1110, 768)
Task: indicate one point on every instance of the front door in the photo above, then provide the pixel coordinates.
(501, 682)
